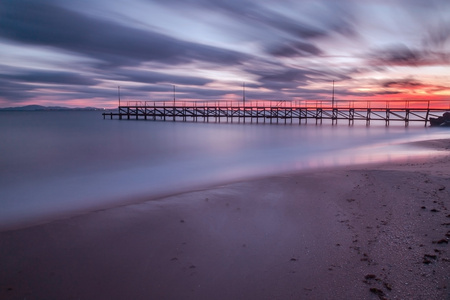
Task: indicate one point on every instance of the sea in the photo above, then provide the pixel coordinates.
(56, 164)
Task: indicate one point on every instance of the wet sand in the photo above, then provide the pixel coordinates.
(361, 232)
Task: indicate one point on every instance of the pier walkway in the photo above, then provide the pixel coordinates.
(275, 112)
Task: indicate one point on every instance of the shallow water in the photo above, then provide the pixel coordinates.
(59, 162)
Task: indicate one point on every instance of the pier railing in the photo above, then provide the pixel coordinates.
(283, 111)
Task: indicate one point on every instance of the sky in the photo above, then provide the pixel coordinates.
(77, 53)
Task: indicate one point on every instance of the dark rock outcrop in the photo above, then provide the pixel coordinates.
(441, 121)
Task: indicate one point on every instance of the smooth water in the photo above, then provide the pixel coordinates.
(56, 163)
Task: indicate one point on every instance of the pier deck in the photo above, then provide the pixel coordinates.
(281, 112)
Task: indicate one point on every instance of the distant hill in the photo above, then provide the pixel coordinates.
(52, 108)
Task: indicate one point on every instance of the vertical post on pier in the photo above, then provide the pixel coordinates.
(407, 117)
(333, 111)
(173, 95)
(428, 113)
(174, 102)
(332, 98)
(118, 94)
(243, 93)
(387, 114)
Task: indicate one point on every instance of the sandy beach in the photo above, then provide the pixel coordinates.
(359, 232)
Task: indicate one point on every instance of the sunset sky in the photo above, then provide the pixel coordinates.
(76, 53)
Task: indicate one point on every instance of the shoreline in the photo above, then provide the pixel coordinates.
(362, 232)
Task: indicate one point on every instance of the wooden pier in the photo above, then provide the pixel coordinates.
(287, 112)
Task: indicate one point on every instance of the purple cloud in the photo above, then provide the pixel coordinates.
(40, 23)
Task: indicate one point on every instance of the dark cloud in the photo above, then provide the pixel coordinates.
(39, 23)
(213, 94)
(278, 77)
(401, 55)
(413, 85)
(19, 84)
(359, 94)
(283, 78)
(288, 75)
(295, 49)
(15, 91)
(398, 55)
(157, 77)
(52, 77)
(404, 83)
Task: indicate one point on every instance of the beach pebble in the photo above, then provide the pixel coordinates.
(442, 241)
(378, 292)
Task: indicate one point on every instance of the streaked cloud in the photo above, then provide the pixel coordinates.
(290, 50)
(401, 55)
